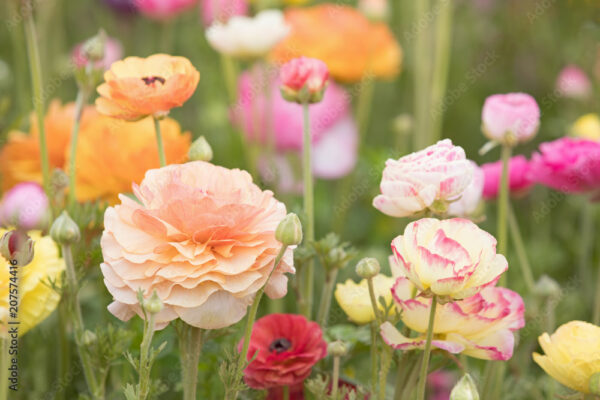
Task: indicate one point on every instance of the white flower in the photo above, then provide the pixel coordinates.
(247, 37)
(468, 202)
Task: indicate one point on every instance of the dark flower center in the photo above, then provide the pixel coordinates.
(150, 80)
(280, 345)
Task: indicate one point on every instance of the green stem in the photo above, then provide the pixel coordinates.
(79, 102)
(596, 312)
(587, 235)
(426, 352)
(374, 335)
(422, 74)
(503, 203)
(363, 108)
(308, 284)
(515, 233)
(64, 358)
(386, 362)
(190, 343)
(326, 296)
(410, 383)
(229, 69)
(401, 375)
(376, 311)
(145, 360)
(159, 143)
(335, 382)
(286, 392)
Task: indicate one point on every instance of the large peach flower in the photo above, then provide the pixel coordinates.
(20, 156)
(480, 326)
(112, 154)
(352, 46)
(452, 259)
(137, 87)
(202, 236)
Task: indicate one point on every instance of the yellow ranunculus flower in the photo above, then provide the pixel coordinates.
(587, 127)
(572, 354)
(354, 298)
(38, 300)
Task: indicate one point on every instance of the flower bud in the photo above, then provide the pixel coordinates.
(595, 384)
(368, 268)
(510, 118)
(304, 80)
(547, 287)
(93, 48)
(200, 150)
(337, 348)
(17, 248)
(154, 304)
(465, 389)
(64, 230)
(88, 337)
(289, 230)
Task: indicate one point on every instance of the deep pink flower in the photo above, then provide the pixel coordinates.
(440, 384)
(512, 117)
(222, 10)
(305, 73)
(568, 164)
(286, 347)
(519, 180)
(163, 9)
(113, 51)
(573, 82)
(25, 206)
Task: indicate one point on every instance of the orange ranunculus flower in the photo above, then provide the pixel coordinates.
(137, 87)
(112, 154)
(20, 156)
(352, 46)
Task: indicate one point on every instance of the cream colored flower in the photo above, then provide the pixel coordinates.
(355, 300)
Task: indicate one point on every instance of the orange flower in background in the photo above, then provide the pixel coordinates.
(352, 46)
(137, 87)
(113, 154)
(20, 157)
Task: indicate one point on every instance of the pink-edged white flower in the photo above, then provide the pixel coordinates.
(480, 326)
(427, 179)
(470, 199)
(510, 118)
(572, 82)
(452, 259)
(303, 80)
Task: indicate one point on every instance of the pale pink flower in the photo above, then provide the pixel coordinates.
(202, 236)
(25, 206)
(438, 174)
(510, 118)
(519, 180)
(163, 9)
(113, 51)
(452, 258)
(222, 10)
(479, 326)
(470, 198)
(304, 73)
(574, 83)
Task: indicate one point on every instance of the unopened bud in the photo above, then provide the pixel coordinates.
(289, 230)
(154, 304)
(88, 337)
(337, 348)
(367, 268)
(64, 230)
(17, 248)
(93, 48)
(547, 287)
(465, 389)
(200, 150)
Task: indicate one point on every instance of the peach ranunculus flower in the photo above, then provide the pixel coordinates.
(112, 154)
(480, 326)
(138, 87)
(20, 156)
(452, 259)
(352, 46)
(202, 236)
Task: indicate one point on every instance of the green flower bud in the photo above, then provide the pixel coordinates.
(88, 337)
(289, 230)
(93, 48)
(154, 304)
(595, 384)
(64, 230)
(465, 389)
(547, 287)
(17, 248)
(200, 150)
(368, 268)
(337, 348)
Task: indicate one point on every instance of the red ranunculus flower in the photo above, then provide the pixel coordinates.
(286, 347)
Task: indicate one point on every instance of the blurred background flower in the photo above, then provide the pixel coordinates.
(519, 178)
(163, 9)
(221, 10)
(25, 206)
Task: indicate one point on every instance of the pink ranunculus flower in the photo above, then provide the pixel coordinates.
(202, 236)
(222, 10)
(510, 118)
(113, 51)
(304, 74)
(470, 198)
(519, 180)
(452, 258)
(25, 206)
(163, 9)
(263, 112)
(479, 326)
(572, 82)
(568, 164)
(427, 179)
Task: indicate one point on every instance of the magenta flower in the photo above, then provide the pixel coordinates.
(519, 180)
(163, 9)
(572, 82)
(510, 118)
(25, 206)
(303, 80)
(222, 10)
(113, 51)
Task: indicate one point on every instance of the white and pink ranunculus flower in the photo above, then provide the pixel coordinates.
(428, 179)
(470, 199)
(480, 326)
(452, 259)
(510, 118)
(202, 236)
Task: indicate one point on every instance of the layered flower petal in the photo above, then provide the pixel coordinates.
(355, 300)
(510, 118)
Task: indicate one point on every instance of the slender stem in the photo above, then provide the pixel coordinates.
(159, 143)
(228, 67)
(4, 360)
(190, 343)
(410, 383)
(79, 102)
(286, 392)
(426, 352)
(64, 347)
(386, 362)
(422, 76)
(335, 382)
(308, 285)
(326, 296)
(376, 312)
(363, 108)
(503, 203)
(596, 312)
(145, 360)
(402, 374)
(374, 335)
(585, 252)
(515, 233)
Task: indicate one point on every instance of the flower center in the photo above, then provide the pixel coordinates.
(150, 80)
(280, 345)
